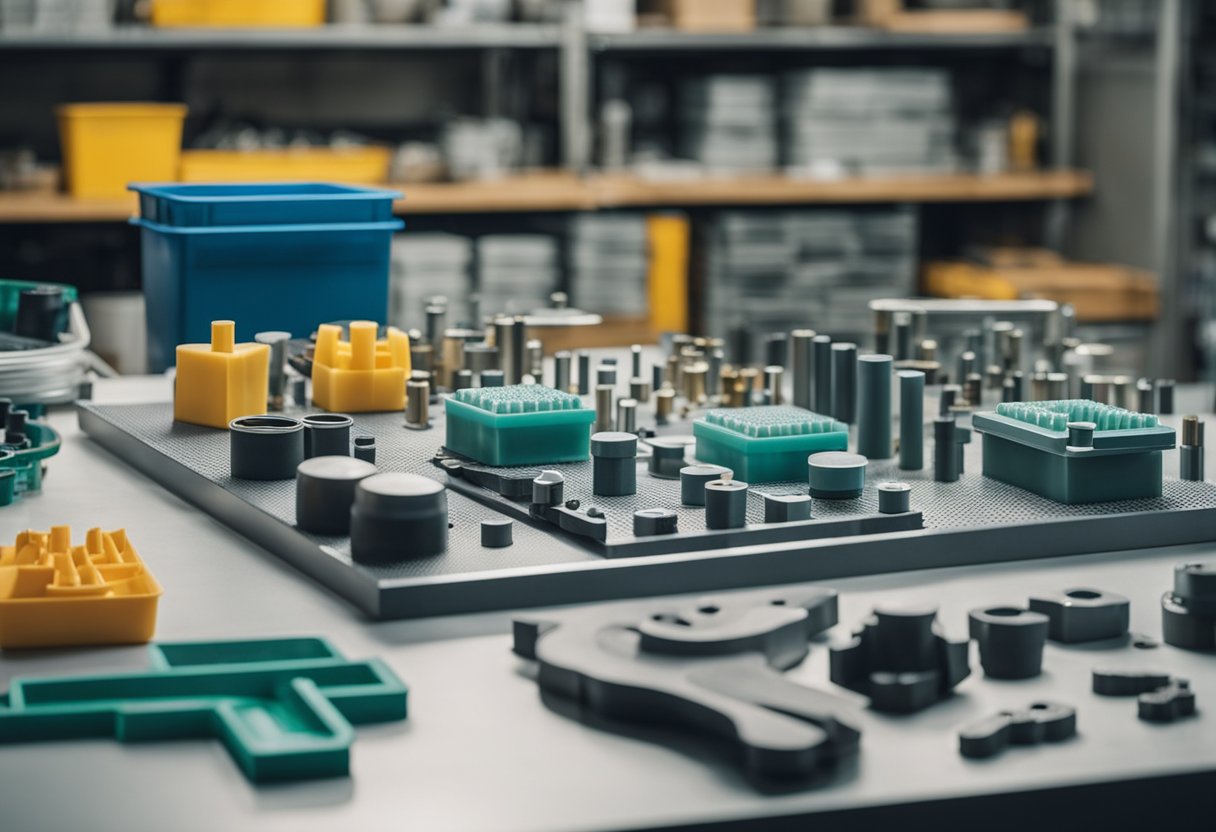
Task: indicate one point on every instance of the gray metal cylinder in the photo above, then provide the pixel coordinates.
(693, 479)
(479, 357)
(786, 508)
(327, 434)
(418, 403)
(801, 366)
(652, 521)
(561, 371)
(639, 390)
(664, 403)
(584, 373)
(365, 448)
(902, 337)
(497, 533)
(821, 375)
(504, 339)
(398, 516)
(1190, 449)
(603, 408)
(1165, 396)
(1081, 434)
(614, 467)
(773, 378)
(844, 382)
(548, 488)
(725, 504)
(325, 491)
(874, 406)
(519, 347)
(894, 497)
(945, 466)
(491, 378)
(627, 415)
(635, 360)
(911, 420)
(605, 374)
(277, 378)
(265, 447)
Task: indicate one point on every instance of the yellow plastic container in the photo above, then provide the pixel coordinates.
(240, 13)
(106, 146)
(220, 381)
(362, 375)
(349, 166)
(54, 594)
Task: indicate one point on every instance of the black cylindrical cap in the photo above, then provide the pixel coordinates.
(1011, 641)
(693, 479)
(651, 521)
(398, 516)
(325, 490)
(42, 313)
(365, 448)
(725, 504)
(267, 447)
(1195, 586)
(14, 426)
(327, 434)
(497, 533)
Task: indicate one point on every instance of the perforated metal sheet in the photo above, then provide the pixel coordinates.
(971, 521)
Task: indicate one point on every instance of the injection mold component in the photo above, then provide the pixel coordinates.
(1188, 612)
(1083, 614)
(265, 447)
(1011, 641)
(362, 375)
(327, 434)
(836, 475)
(220, 381)
(284, 709)
(22, 461)
(325, 491)
(769, 443)
(901, 660)
(54, 594)
(521, 424)
(397, 516)
(1159, 697)
(1074, 450)
(713, 668)
(786, 508)
(497, 533)
(1041, 722)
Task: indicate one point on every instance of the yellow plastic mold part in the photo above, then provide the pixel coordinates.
(361, 375)
(220, 381)
(54, 594)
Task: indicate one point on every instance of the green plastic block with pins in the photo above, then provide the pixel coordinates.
(520, 424)
(284, 708)
(770, 443)
(1074, 450)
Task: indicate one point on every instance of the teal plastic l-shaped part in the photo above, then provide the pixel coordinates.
(284, 708)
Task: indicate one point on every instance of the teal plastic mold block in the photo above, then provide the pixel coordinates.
(520, 424)
(26, 463)
(1027, 444)
(766, 444)
(284, 708)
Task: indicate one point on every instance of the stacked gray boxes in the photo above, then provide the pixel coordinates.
(609, 259)
(425, 266)
(516, 273)
(728, 123)
(773, 271)
(868, 120)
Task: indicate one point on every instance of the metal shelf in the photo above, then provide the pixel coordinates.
(334, 36)
(834, 38)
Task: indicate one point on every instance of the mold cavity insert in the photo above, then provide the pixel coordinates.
(520, 424)
(766, 444)
(1074, 450)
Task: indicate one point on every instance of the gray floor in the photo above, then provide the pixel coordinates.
(481, 752)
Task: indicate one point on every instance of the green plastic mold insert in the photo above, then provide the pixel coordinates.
(766, 444)
(520, 424)
(284, 708)
(26, 464)
(1110, 453)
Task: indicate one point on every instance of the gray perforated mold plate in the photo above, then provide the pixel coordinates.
(972, 521)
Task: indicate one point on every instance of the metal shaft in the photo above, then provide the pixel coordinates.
(800, 365)
(844, 382)
(874, 406)
(584, 372)
(911, 420)
(603, 407)
(561, 371)
(504, 338)
(821, 374)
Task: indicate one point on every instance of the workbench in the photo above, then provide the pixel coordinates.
(481, 751)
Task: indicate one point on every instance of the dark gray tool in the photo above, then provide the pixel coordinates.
(1083, 614)
(614, 470)
(725, 504)
(327, 434)
(1190, 449)
(945, 448)
(844, 382)
(821, 377)
(694, 478)
(651, 521)
(264, 447)
(325, 491)
(1188, 612)
(894, 497)
(1041, 722)
(713, 668)
(1011, 641)
(786, 508)
(365, 448)
(901, 660)
(666, 457)
(1160, 697)
(396, 517)
(497, 533)
(911, 420)
(874, 406)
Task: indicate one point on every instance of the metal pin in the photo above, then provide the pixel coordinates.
(772, 383)
(664, 401)
(561, 371)
(605, 374)
(713, 379)
(627, 415)
(603, 407)
(966, 365)
(801, 367)
(639, 390)
(903, 336)
(635, 360)
(504, 339)
(519, 348)
(277, 379)
(584, 372)
(422, 357)
(945, 468)
(536, 358)
(1165, 396)
(417, 403)
(911, 420)
(947, 399)
(1190, 450)
(821, 375)
(694, 382)
(844, 382)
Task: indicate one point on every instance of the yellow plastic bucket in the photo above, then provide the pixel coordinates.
(106, 146)
(238, 12)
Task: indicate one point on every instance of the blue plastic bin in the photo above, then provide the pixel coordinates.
(269, 203)
(265, 277)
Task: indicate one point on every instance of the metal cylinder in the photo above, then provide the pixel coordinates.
(263, 447)
(844, 382)
(299, 391)
(713, 378)
(1190, 450)
(657, 376)
(966, 365)
(801, 366)
(725, 504)
(490, 378)
(584, 372)
(894, 497)
(664, 402)
(548, 488)
(627, 415)
(436, 323)
(911, 420)
(561, 371)
(635, 360)
(652, 521)
(883, 319)
(776, 348)
(614, 468)
(666, 458)
(836, 475)
(773, 378)
(694, 376)
(874, 406)
(461, 379)
(418, 402)
(947, 399)
(422, 357)
(1123, 393)
(497, 533)
(926, 350)
(453, 355)
(479, 357)
(327, 434)
(639, 390)
(519, 348)
(786, 508)
(975, 390)
(1019, 385)
(365, 448)
(277, 378)
(605, 374)
(603, 408)
(535, 365)
(1146, 396)
(945, 468)
(325, 491)
(398, 516)
(821, 375)
(693, 479)
(1165, 396)
(504, 339)
(1096, 388)
(902, 341)
(1081, 434)
(1057, 386)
